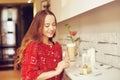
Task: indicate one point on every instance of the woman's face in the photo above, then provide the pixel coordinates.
(49, 28)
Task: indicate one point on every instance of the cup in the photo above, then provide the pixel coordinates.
(71, 51)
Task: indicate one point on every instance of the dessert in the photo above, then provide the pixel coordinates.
(85, 70)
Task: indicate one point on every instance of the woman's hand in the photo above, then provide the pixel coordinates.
(62, 65)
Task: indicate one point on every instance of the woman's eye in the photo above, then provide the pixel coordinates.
(46, 25)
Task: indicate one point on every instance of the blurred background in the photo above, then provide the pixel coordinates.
(15, 18)
(97, 23)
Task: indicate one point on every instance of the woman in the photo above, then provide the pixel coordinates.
(39, 55)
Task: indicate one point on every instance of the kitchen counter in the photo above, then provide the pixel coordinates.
(101, 72)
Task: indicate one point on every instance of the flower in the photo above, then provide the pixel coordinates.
(72, 34)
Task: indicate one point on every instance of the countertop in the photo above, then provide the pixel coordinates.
(104, 72)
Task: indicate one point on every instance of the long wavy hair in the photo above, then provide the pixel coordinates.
(34, 33)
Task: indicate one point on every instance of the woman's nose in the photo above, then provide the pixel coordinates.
(51, 27)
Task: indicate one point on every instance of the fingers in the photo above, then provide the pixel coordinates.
(67, 60)
(67, 63)
(62, 65)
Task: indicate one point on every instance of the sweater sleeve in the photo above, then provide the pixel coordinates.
(30, 69)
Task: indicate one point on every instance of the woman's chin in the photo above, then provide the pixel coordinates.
(50, 36)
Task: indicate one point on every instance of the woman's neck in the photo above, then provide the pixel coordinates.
(46, 41)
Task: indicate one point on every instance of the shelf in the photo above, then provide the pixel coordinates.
(70, 8)
(7, 46)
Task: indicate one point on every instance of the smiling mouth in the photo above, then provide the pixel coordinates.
(51, 33)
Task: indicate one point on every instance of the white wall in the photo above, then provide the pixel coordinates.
(98, 28)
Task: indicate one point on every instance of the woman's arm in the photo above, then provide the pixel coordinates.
(60, 67)
(47, 75)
